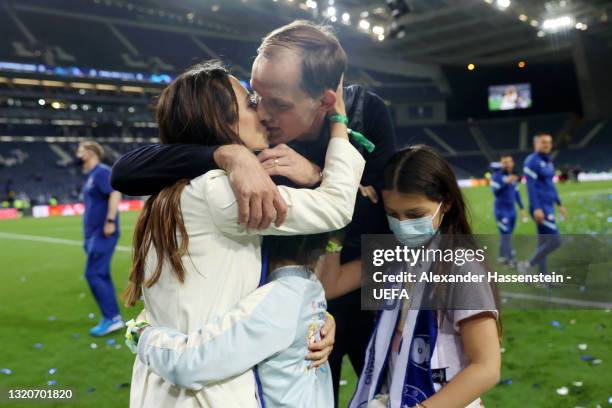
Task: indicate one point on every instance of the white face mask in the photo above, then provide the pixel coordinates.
(413, 233)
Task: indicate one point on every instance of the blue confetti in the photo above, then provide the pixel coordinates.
(91, 315)
(90, 390)
(110, 342)
(76, 336)
(609, 219)
(505, 382)
(38, 346)
(555, 323)
(610, 398)
(51, 383)
(51, 318)
(586, 357)
(7, 371)
(52, 371)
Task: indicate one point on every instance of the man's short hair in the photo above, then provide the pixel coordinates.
(504, 155)
(94, 147)
(540, 134)
(323, 58)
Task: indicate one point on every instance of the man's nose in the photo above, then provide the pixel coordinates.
(263, 114)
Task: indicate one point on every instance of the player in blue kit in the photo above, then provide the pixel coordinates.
(505, 186)
(101, 233)
(539, 172)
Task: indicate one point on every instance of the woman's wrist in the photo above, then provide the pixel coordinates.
(339, 130)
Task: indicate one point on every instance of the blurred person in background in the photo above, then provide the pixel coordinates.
(101, 233)
(539, 171)
(505, 185)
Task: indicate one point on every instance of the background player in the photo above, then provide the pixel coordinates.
(505, 186)
(101, 233)
(539, 171)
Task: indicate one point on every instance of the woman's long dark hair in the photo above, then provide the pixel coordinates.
(420, 169)
(198, 107)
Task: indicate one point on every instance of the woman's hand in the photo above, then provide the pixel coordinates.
(339, 106)
(320, 351)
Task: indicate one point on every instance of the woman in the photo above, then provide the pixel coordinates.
(193, 261)
(440, 354)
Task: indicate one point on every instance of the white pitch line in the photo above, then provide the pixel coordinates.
(558, 300)
(51, 240)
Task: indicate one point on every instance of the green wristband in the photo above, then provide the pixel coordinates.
(333, 247)
(362, 140)
(336, 117)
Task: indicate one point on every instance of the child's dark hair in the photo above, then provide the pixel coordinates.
(422, 170)
(296, 250)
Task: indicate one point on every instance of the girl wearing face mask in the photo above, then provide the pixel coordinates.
(418, 357)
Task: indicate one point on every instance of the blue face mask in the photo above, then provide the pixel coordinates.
(416, 232)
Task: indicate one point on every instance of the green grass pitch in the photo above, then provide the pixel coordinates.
(45, 308)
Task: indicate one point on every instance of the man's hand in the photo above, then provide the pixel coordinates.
(563, 211)
(284, 161)
(259, 201)
(511, 178)
(320, 351)
(539, 215)
(369, 192)
(109, 229)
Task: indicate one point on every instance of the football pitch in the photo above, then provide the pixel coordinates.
(552, 358)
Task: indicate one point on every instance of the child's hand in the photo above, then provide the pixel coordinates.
(320, 351)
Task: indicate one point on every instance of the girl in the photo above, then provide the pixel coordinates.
(457, 350)
(192, 260)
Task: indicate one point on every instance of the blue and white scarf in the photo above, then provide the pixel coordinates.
(412, 380)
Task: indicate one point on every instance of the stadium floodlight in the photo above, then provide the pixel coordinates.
(346, 18)
(523, 18)
(311, 4)
(364, 25)
(331, 11)
(42, 102)
(581, 26)
(333, 19)
(378, 30)
(381, 37)
(504, 4)
(557, 23)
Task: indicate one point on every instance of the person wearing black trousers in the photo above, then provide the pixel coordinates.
(294, 78)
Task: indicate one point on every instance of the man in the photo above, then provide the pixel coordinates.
(101, 231)
(539, 171)
(505, 186)
(294, 77)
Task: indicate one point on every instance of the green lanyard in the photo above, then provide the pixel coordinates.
(358, 137)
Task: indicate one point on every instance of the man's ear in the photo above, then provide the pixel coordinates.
(328, 99)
